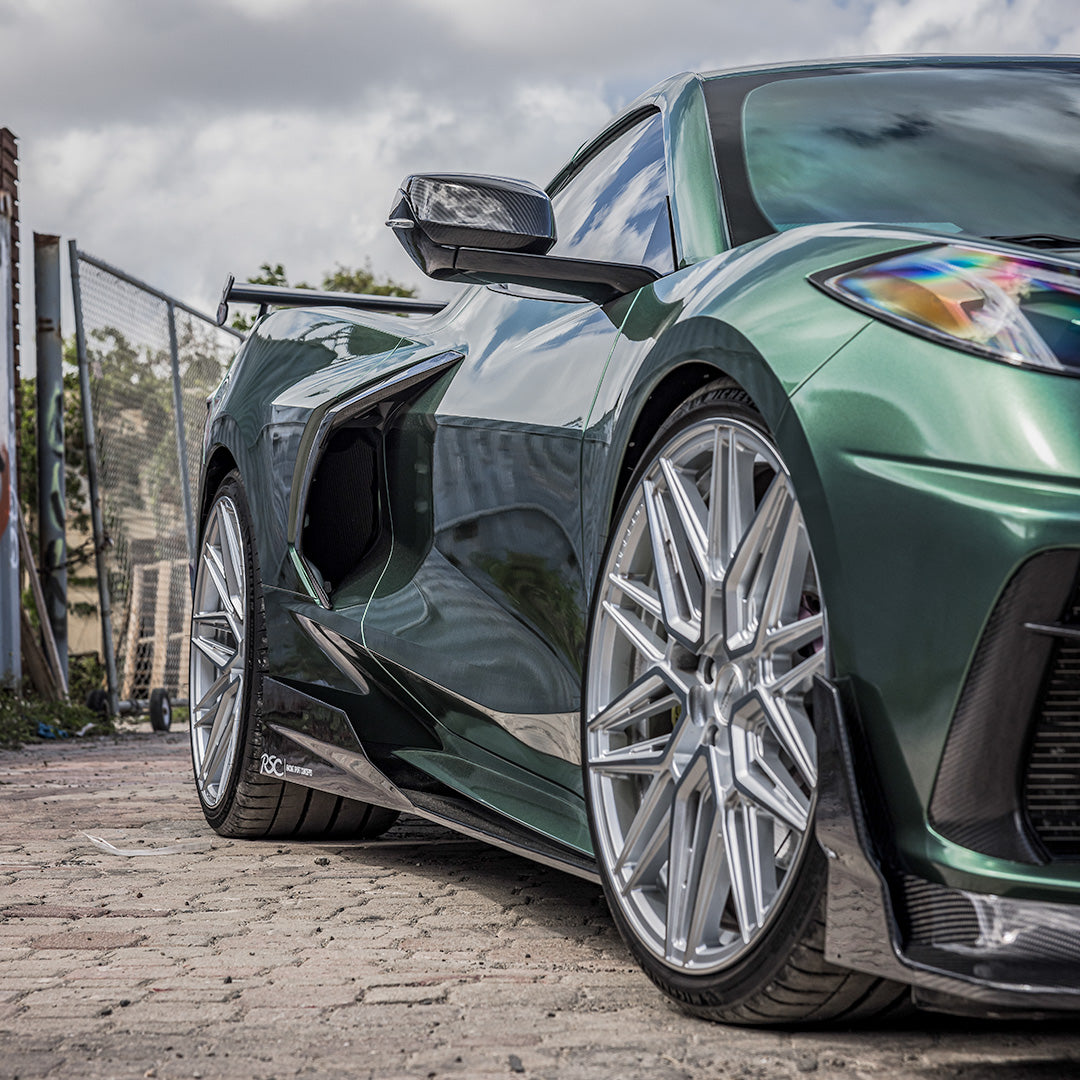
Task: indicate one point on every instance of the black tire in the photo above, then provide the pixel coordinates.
(160, 710)
(253, 804)
(781, 977)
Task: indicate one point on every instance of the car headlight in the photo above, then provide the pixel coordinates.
(993, 303)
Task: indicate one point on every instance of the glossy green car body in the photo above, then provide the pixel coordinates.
(497, 438)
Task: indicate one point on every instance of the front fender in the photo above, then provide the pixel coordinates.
(750, 315)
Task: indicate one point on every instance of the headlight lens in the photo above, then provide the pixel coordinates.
(997, 304)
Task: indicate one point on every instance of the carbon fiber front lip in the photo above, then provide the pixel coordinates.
(1021, 955)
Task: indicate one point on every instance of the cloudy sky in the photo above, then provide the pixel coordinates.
(184, 139)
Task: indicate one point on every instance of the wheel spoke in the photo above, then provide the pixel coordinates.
(788, 725)
(780, 794)
(692, 513)
(793, 635)
(231, 621)
(762, 778)
(221, 656)
(217, 742)
(731, 505)
(638, 593)
(747, 838)
(236, 618)
(636, 632)
(678, 583)
(713, 878)
(652, 856)
(656, 691)
(653, 816)
(645, 757)
(691, 823)
(219, 620)
(792, 730)
(217, 688)
(782, 581)
(234, 561)
(215, 566)
(714, 888)
(758, 557)
(797, 677)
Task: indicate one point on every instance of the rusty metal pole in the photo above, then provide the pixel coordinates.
(10, 599)
(52, 540)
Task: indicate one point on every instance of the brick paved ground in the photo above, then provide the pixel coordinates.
(421, 954)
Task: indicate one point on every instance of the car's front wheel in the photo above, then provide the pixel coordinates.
(227, 660)
(700, 753)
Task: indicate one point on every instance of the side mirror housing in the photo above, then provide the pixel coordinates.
(436, 214)
(490, 230)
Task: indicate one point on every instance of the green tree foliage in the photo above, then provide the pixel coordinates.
(272, 275)
(350, 279)
(361, 280)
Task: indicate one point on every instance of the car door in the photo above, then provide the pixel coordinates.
(486, 638)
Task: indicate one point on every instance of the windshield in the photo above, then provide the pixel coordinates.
(991, 150)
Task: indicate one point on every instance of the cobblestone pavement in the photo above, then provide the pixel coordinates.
(421, 954)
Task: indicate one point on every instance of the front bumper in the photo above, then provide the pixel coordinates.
(976, 954)
(942, 496)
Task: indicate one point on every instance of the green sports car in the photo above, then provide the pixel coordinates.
(720, 543)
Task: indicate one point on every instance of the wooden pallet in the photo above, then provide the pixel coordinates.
(156, 630)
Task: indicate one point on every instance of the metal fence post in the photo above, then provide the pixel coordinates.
(107, 649)
(181, 442)
(52, 540)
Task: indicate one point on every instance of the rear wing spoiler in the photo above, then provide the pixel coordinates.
(267, 296)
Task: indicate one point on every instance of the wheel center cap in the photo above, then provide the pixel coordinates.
(729, 682)
(724, 684)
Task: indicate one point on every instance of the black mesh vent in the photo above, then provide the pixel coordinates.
(1052, 780)
(938, 916)
(990, 938)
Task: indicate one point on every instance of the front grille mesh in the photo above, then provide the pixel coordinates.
(1052, 783)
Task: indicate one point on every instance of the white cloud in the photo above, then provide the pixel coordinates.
(182, 203)
(267, 9)
(969, 26)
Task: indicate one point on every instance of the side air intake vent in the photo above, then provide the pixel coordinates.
(341, 514)
(978, 798)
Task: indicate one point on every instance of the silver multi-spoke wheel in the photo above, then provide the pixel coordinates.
(701, 754)
(218, 651)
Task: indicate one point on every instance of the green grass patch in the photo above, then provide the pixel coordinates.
(26, 720)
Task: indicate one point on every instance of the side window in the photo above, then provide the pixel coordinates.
(614, 208)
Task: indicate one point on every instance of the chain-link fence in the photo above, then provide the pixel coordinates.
(150, 363)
